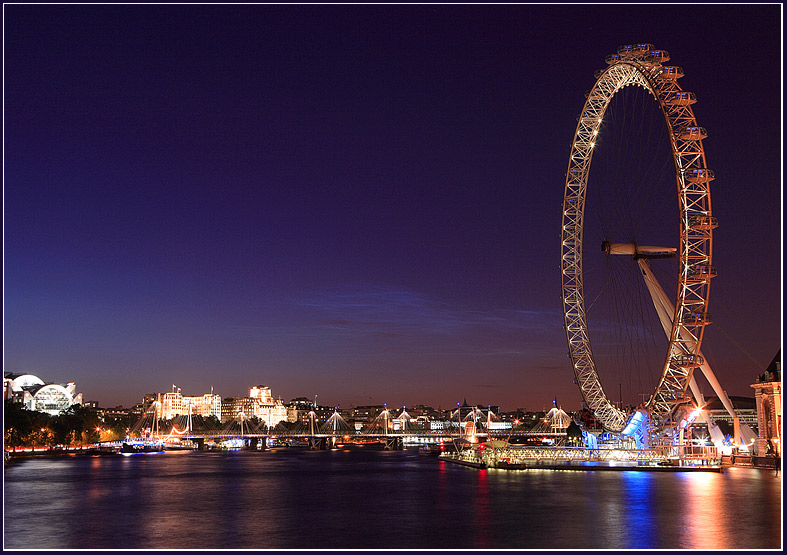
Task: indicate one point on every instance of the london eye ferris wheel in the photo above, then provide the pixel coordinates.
(639, 231)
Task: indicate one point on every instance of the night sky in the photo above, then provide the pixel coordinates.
(358, 202)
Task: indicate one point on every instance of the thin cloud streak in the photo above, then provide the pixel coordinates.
(401, 311)
(375, 323)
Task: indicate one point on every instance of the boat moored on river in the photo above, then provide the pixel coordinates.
(131, 447)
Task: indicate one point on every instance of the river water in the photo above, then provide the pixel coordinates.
(300, 499)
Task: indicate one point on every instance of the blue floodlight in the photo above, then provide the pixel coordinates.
(635, 423)
(590, 440)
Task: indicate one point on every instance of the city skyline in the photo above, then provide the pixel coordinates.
(358, 202)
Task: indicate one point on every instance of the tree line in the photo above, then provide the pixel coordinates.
(78, 425)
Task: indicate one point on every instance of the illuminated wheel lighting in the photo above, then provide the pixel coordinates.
(642, 65)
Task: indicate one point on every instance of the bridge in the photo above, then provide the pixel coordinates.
(391, 432)
(391, 441)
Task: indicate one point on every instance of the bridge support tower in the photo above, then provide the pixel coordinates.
(394, 444)
(317, 443)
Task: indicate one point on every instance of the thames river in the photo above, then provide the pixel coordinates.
(290, 499)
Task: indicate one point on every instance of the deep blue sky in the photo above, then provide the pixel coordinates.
(358, 202)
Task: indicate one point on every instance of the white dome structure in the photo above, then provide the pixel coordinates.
(24, 380)
(37, 395)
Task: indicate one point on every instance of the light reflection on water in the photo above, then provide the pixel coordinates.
(705, 530)
(376, 499)
(640, 509)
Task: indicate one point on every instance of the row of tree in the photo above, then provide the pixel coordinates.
(77, 425)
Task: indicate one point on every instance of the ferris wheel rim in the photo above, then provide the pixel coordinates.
(642, 65)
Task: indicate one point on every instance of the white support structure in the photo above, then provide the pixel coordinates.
(666, 310)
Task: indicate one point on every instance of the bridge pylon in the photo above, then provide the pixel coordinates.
(317, 443)
(394, 443)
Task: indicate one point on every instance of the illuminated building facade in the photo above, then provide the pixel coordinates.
(266, 408)
(205, 405)
(259, 404)
(174, 404)
(233, 407)
(34, 394)
(768, 393)
(298, 409)
(171, 405)
(261, 393)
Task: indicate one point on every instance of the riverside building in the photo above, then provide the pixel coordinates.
(768, 391)
(174, 404)
(259, 404)
(32, 392)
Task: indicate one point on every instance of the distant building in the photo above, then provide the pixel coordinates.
(297, 408)
(424, 410)
(34, 394)
(170, 405)
(347, 414)
(259, 404)
(768, 395)
(114, 413)
(174, 404)
(261, 393)
(233, 407)
(367, 413)
(205, 405)
(745, 409)
(147, 400)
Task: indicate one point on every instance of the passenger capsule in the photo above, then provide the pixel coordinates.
(671, 73)
(703, 222)
(700, 175)
(702, 272)
(626, 50)
(612, 59)
(657, 56)
(598, 73)
(687, 361)
(682, 98)
(696, 318)
(672, 396)
(693, 133)
(641, 49)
